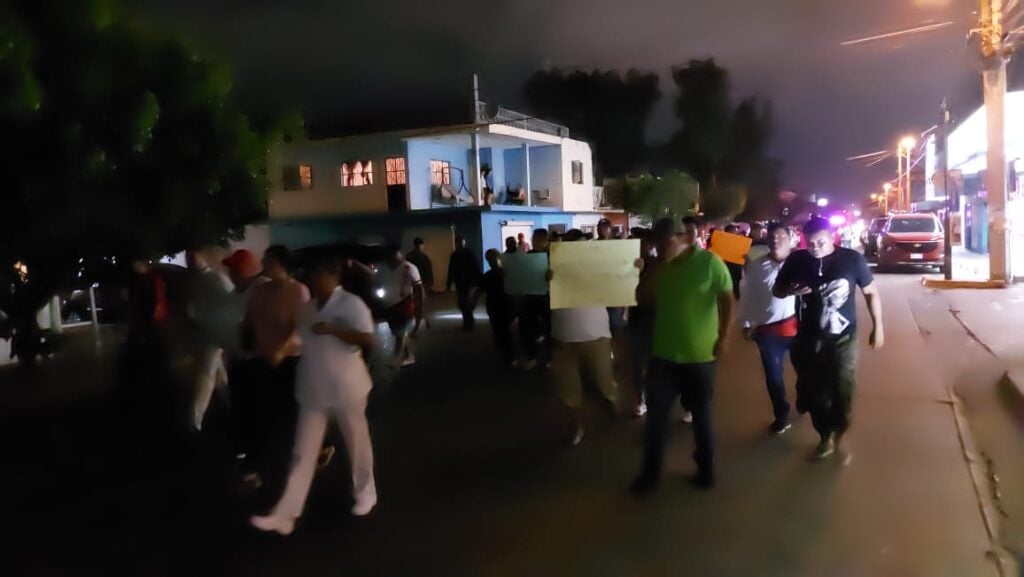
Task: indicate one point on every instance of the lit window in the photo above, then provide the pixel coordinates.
(396, 171)
(577, 172)
(440, 172)
(297, 177)
(358, 173)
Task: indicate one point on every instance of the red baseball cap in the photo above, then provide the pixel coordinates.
(243, 263)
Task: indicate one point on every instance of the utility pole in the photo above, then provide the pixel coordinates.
(943, 144)
(995, 54)
(899, 179)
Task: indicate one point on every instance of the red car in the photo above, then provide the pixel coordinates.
(911, 239)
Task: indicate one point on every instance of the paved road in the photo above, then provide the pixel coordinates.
(476, 480)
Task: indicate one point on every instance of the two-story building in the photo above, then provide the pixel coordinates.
(502, 175)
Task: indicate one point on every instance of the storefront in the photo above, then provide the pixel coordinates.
(965, 183)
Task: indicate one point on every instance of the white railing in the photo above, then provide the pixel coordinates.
(521, 121)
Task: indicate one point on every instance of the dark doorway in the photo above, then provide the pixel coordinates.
(397, 199)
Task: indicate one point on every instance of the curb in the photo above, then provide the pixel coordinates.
(1012, 386)
(939, 283)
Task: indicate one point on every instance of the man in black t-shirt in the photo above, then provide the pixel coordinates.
(500, 306)
(826, 277)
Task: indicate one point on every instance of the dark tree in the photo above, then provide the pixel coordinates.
(113, 143)
(722, 145)
(605, 108)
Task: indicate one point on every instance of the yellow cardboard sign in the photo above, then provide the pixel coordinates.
(594, 273)
(730, 247)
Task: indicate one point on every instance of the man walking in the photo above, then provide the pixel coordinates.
(581, 348)
(423, 264)
(402, 285)
(333, 380)
(693, 309)
(207, 302)
(501, 308)
(535, 314)
(272, 319)
(770, 321)
(464, 275)
(826, 278)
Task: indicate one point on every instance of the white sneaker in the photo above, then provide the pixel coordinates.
(364, 505)
(270, 523)
(640, 410)
(687, 417)
(577, 438)
(409, 361)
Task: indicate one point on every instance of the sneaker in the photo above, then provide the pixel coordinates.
(843, 449)
(644, 485)
(825, 448)
(363, 506)
(640, 410)
(780, 427)
(409, 361)
(326, 455)
(577, 437)
(273, 524)
(687, 417)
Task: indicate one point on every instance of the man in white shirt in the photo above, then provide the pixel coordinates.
(582, 345)
(769, 321)
(403, 284)
(332, 379)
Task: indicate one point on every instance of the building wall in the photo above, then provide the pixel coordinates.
(420, 154)
(328, 197)
(577, 196)
(491, 223)
(546, 172)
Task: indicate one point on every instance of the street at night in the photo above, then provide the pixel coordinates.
(478, 479)
(518, 288)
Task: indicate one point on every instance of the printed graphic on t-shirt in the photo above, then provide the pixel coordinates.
(834, 296)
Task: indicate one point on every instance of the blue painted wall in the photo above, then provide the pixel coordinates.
(490, 225)
(513, 167)
(420, 154)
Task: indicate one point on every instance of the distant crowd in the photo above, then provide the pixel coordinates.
(293, 354)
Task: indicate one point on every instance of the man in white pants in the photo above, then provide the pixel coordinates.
(208, 296)
(332, 380)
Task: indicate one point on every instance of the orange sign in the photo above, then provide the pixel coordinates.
(730, 247)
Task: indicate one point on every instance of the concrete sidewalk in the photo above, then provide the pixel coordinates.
(995, 318)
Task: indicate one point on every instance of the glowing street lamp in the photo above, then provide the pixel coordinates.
(822, 202)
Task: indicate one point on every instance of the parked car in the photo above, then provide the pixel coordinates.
(870, 236)
(911, 239)
(362, 264)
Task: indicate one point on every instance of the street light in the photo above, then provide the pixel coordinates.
(906, 145)
(822, 202)
(887, 187)
(874, 197)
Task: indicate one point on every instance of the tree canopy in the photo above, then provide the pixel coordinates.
(116, 142)
(724, 146)
(604, 107)
(672, 194)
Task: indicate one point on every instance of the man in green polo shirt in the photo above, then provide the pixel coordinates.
(693, 310)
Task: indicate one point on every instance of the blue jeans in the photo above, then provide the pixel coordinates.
(773, 356)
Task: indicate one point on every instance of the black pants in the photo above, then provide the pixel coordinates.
(264, 408)
(535, 326)
(693, 383)
(826, 378)
(466, 305)
(501, 326)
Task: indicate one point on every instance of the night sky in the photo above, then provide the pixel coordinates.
(403, 63)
